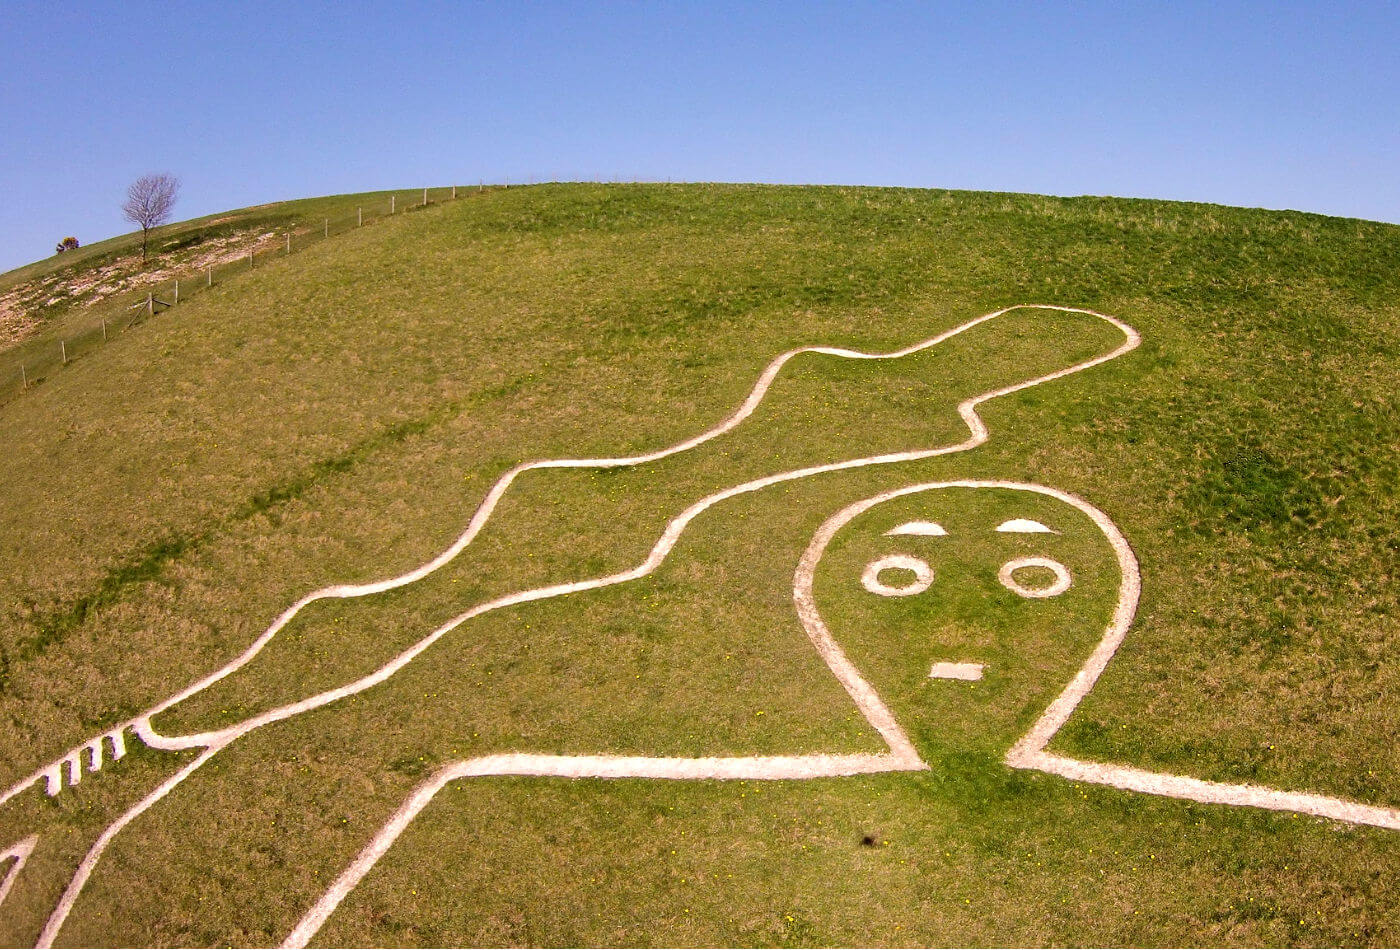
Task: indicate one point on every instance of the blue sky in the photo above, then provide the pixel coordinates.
(1276, 105)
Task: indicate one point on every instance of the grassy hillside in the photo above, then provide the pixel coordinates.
(337, 415)
(69, 297)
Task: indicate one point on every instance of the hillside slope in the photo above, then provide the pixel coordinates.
(338, 415)
(78, 296)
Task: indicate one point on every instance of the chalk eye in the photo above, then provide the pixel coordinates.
(923, 576)
(1024, 526)
(926, 529)
(1057, 587)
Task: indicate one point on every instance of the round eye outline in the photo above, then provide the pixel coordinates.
(923, 575)
(1062, 583)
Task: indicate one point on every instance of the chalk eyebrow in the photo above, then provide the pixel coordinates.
(927, 529)
(1024, 526)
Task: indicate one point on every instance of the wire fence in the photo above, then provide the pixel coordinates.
(43, 358)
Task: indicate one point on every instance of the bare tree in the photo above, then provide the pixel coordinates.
(148, 203)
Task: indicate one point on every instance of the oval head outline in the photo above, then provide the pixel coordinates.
(1028, 750)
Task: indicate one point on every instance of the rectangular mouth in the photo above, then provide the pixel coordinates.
(956, 671)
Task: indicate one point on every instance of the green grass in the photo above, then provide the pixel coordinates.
(337, 415)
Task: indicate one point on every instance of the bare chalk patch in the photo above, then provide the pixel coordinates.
(956, 671)
(1024, 526)
(926, 529)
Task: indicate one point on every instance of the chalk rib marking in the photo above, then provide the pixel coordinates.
(118, 740)
(53, 779)
(95, 754)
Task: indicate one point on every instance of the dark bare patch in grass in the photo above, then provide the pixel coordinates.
(1240, 484)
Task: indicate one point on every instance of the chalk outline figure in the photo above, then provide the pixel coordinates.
(1028, 752)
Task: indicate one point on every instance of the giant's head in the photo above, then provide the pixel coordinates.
(968, 615)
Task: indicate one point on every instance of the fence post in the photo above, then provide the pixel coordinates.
(210, 274)
(289, 242)
(425, 197)
(391, 204)
(177, 293)
(150, 304)
(454, 191)
(63, 351)
(359, 217)
(24, 376)
(104, 328)
(328, 228)
(250, 259)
